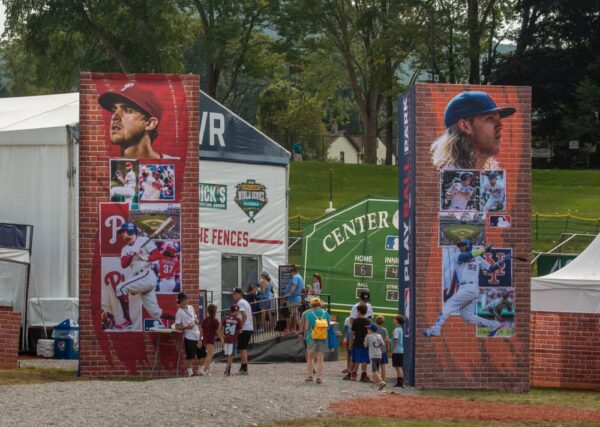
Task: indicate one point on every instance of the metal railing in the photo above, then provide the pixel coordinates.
(273, 318)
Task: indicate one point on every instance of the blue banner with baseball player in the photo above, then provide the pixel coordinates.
(407, 280)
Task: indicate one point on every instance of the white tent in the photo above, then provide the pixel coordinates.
(574, 288)
(38, 157)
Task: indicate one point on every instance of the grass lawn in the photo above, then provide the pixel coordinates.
(554, 191)
(36, 376)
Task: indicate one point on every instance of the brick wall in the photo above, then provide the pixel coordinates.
(10, 323)
(459, 359)
(103, 354)
(565, 350)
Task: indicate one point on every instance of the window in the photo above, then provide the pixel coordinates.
(342, 156)
(237, 271)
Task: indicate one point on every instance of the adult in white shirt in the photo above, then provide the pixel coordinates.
(247, 328)
(364, 297)
(187, 321)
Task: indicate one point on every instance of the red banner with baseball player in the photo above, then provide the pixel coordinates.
(471, 210)
(146, 135)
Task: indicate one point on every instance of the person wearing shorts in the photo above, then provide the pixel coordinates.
(316, 348)
(247, 329)
(376, 345)
(398, 349)
(360, 355)
(187, 321)
(382, 330)
(232, 325)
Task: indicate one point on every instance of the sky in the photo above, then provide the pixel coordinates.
(2, 11)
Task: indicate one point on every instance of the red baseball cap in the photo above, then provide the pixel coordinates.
(136, 93)
(128, 164)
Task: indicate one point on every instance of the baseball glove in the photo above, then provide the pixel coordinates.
(107, 320)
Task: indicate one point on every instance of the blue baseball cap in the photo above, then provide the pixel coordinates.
(472, 103)
(373, 327)
(129, 227)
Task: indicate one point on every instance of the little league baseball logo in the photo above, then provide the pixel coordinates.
(251, 197)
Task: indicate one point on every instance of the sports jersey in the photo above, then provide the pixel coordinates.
(168, 267)
(496, 191)
(232, 325)
(375, 344)
(142, 261)
(130, 179)
(460, 196)
(468, 272)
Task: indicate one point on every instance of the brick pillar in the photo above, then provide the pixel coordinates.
(10, 323)
(131, 353)
(459, 359)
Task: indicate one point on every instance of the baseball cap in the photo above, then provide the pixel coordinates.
(238, 291)
(170, 249)
(315, 301)
(472, 103)
(128, 164)
(234, 307)
(264, 274)
(373, 327)
(181, 297)
(365, 295)
(136, 93)
(465, 175)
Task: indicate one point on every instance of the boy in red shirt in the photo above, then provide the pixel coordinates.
(232, 325)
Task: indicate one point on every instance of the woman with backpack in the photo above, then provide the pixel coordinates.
(315, 328)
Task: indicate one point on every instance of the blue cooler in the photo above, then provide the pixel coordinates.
(66, 340)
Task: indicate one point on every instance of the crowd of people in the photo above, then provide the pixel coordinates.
(303, 312)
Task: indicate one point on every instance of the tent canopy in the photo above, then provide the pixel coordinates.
(574, 288)
(224, 136)
(38, 120)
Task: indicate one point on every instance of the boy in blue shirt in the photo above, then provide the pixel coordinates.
(398, 349)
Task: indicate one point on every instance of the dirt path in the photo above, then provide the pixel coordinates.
(432, 408)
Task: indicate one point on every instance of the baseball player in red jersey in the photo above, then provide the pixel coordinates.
(168, 270)
(137, 257)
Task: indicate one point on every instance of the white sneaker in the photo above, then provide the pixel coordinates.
(382, 385)
(207, 373)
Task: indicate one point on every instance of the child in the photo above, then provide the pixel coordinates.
(210, 329)
(376, 345)
(360, 355)
(381, 330)
(186, 321)
(346, 342)
(232, 325)
(398, 351)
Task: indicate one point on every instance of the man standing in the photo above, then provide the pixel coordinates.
(364, 297)
(466, 267)
(293, 295)
(247, 328)
(137, 256)
(473, 132)
(128, 183)
(461, 192)
(136, 115)
(493, 192)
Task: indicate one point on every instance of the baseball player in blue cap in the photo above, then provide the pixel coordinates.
(473, 130)
(467, 263)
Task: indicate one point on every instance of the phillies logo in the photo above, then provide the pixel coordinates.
(113, 279)
(500, 276)
(114, 222)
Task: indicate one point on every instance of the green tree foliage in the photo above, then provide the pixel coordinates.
(292, 116)
(372, 38)
(557, 54)
(59, 38)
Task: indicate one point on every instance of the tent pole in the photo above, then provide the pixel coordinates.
(25, 329)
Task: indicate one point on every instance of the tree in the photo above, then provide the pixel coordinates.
(290, 115)
(229, 37)
(65, 37)
(364, 33)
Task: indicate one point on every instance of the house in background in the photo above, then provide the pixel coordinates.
(346, 148)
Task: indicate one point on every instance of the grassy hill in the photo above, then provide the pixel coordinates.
(575, 192)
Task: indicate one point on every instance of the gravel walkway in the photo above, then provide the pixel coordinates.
(270, 393)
